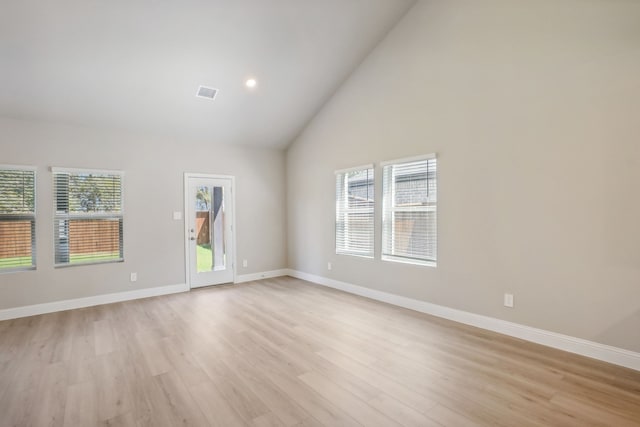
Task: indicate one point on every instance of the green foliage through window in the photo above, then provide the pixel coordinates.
(17, 218)
(88, 222)
(17, 191)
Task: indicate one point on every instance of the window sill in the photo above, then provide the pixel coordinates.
(355, 255)
(17, 269)
(402, 260)
(77, 264)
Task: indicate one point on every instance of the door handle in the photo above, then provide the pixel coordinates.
(192, 238)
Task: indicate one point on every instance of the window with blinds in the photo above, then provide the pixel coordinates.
(355, 212)
(17, 218)
(88, 216)
(409, 215)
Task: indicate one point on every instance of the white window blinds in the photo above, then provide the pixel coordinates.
(17, 218)
(355, 212)
(409, 216)
(88, 216)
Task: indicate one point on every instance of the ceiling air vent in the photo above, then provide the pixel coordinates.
(207, 92)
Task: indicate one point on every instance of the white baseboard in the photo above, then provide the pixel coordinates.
(50, 307)
(568, 343)
(606, 353)
(262, 275)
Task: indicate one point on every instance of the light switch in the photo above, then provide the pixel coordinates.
(177, 216)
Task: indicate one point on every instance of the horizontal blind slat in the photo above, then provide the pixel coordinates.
(17, 219)
(88, 224)
(409, 218)
(355, 212)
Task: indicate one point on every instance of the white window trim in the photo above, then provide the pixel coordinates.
(355, 168)
(32, 217)
(55, 169)
(410, 261)
(92, 215)
(361, 210)
(409, 159)
(19, 167)
(399, 259)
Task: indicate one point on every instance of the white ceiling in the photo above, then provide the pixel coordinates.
(137, 64)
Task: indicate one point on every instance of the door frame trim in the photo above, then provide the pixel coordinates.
(187, 259)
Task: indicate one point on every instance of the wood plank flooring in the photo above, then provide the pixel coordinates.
(282, 352)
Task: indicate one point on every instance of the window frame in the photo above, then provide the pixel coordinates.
(32, 217)
(346, 211)
(389, 208)
(68, 216)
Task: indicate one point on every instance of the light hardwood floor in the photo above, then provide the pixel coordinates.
(282, 352)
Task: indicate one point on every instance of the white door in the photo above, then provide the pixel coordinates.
(209, 233)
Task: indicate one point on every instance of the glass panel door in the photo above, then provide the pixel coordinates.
(209, 231)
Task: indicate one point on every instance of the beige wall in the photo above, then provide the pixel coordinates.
(534, 110)
(154, 188)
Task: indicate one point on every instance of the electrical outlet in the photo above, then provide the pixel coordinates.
(134, 277)
(328, 266)
(245, 263)
(508, 300)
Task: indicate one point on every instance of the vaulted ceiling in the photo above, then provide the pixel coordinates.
(137, 64)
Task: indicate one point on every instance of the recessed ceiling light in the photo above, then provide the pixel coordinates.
(251, 83)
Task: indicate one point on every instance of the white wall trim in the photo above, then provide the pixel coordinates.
(262, 275)
(409, 159)
(19, 168)
(50, 307)
(606, 353)
(355, 168)
(54, 169)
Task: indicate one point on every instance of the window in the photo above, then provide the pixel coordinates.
(88, 216)
(409, 230)
(354, 212)
(17, 218)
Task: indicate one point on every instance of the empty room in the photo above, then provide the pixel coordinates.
(320, 213)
